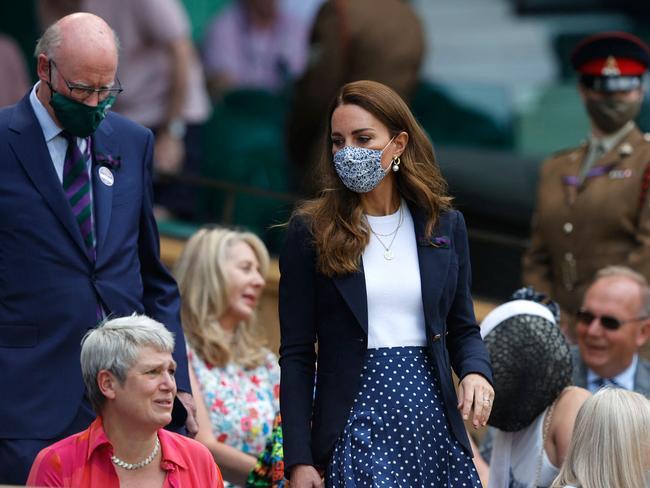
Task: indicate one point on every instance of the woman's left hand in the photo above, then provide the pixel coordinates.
(474, 390)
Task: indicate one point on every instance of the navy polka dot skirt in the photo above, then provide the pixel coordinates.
(397, 433)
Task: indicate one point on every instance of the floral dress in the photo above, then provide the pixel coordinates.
(242, 403)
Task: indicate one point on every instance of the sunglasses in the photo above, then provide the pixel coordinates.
(586, 317)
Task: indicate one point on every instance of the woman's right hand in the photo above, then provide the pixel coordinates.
(305, 476)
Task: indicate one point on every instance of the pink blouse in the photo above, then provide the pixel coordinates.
(84, 460)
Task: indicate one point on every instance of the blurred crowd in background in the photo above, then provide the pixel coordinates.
(235, 91)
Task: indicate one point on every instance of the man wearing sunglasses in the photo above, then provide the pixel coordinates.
(612, 326)
(78, 241)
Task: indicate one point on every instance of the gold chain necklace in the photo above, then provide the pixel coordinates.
(388, 254)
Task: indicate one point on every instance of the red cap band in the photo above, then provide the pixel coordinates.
(612, 67)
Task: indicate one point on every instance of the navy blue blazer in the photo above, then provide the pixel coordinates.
(333, 312)
(49, 289)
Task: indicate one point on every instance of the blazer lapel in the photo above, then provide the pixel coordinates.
(353, 290)
(579, 369)
(434, 264)
(102, 191)
(27, 141)
(430, 258)
(642, 377)
(617, 155)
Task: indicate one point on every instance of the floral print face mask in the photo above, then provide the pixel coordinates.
(360, 168)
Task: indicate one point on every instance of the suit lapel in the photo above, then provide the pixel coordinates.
(353, 290)
(27, 141)
(580, 369)
(433, 262)
(642, 377)
(617, 154)
(102, 192)
(353, 286)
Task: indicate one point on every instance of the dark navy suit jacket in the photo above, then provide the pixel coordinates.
(333, 312)
(49, 289)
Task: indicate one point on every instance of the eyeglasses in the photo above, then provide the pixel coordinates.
(586, 317)
(82, 92)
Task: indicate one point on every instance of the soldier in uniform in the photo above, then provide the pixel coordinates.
(592, 207)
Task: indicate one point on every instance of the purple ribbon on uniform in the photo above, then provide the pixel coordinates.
(592, 173)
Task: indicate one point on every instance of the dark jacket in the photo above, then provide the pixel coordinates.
(641, 377)
(333, 312)
(50, 289)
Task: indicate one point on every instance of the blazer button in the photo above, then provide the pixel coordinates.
(436, 337)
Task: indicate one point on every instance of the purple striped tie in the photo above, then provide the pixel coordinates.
(76, 184)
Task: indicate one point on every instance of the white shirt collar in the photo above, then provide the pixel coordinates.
(48, 126)
(625, 379)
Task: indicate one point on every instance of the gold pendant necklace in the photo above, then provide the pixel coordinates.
(388, 253)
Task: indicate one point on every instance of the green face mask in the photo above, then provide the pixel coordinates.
(77, 118)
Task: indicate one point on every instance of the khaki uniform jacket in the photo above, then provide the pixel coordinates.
(577, 230)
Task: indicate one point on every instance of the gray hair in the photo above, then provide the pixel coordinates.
(49, 41)
(52, 38)
(620, 271)
(115, 345)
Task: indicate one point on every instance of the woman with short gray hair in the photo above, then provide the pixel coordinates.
(128, 370)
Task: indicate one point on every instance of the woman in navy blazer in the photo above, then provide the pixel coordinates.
(376, 271)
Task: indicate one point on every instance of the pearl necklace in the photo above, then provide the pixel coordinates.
(131, 466)
(388, 254)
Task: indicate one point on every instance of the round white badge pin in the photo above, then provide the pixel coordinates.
(106, 176)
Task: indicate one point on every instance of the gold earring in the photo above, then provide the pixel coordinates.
(396, 162)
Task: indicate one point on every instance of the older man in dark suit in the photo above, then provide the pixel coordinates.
(79, 241)
(612, 325)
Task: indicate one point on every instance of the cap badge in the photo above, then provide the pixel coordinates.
(610, 68)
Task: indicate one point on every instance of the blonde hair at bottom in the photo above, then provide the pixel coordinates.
(610, 446)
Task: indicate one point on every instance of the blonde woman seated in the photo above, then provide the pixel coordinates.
(221, 276)
(128, 370)
(611, 443)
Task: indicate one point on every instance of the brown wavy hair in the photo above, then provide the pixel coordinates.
(335, 217)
